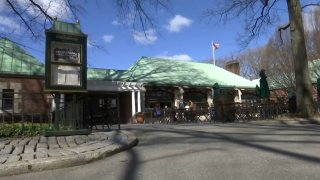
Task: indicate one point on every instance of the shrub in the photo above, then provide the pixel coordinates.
(23, 129)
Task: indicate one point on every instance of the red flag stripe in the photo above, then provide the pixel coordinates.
(215, 45)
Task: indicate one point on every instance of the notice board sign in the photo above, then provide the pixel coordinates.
(66, 60)
(66, 52)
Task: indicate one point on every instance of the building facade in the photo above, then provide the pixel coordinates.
(148, 83)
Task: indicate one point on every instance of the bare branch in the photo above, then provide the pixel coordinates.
(45, 21)
(288, 25)
(282, 29)
(263, 18)
(20, 16)
(311, 4)
(72, 9)
(42, 11)
(139, 10)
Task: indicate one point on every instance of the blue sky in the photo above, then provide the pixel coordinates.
(182, 33)
(188, 37)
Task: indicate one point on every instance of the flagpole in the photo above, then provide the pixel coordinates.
(213, 59)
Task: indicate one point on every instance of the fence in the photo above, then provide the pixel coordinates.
(224, 113)
(38, 109)
(25, 107)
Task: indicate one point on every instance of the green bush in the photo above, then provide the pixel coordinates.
(23, 129)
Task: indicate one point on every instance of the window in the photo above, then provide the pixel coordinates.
(7, 99)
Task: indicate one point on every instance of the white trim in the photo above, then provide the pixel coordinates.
(133, 103)
(114, 86)
(139, 101)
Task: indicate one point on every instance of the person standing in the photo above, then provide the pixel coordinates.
(157, 112)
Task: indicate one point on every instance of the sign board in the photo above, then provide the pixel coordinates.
(66, 59)
(65, 52)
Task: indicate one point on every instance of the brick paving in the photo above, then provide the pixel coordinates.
(16, 153)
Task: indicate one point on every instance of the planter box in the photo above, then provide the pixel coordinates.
(139, 117)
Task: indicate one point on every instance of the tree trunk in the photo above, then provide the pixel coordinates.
(299, 52)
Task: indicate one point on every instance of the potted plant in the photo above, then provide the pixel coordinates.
(139, 116)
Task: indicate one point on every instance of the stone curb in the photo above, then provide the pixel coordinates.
(72, 160)
(300, 121)
(292, 121)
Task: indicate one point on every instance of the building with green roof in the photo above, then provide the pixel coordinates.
(172, 83)
(148, 82)
(16, 61)
(20, 73)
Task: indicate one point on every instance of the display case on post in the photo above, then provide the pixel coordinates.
(66, 77)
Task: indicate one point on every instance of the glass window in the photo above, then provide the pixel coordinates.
(7, 99)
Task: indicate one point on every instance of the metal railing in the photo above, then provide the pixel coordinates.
(231, 112)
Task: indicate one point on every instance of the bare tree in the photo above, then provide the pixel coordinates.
(251, 62)
(259, 16)
(300, 59)
(35, 16)
(276, 56)
(313, 33)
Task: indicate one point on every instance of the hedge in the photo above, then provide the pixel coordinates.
(23, 129)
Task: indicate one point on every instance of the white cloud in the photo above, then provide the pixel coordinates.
(8, 24)
(178, 22)
(179, 57)
(116, 23)
(108, 38)
(146, 38)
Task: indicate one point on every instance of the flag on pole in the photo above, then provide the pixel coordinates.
(215, 46)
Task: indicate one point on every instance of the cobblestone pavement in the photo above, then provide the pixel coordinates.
(28, 154)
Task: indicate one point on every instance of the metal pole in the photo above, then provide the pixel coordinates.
(213, 58)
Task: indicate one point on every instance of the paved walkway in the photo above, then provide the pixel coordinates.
(29, 154)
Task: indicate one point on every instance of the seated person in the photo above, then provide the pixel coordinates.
(190, 105)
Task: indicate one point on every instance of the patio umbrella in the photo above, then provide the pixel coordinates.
(216, 92)
(257, 91)
(264, 87)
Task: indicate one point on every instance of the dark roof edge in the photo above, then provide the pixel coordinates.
(8, 75)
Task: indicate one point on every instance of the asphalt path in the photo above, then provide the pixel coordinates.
(256, 150)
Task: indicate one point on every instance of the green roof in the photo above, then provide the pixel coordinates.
(106, 74)
(68, 28)
(15, 60)
(184, 73)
